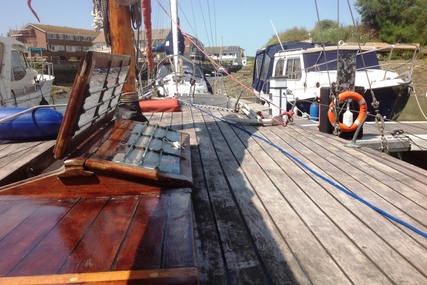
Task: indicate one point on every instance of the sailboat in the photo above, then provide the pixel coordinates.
(180, 77)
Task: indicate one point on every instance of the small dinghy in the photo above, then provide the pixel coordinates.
(23, 124)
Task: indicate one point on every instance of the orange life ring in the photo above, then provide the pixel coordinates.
(363, 108)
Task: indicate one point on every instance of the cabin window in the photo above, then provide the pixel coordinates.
(18, 65)
(293, 68)
(280, 64)
(264, 70)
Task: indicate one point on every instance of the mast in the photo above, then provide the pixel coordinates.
(122, 38)
(121, 34)
(146, 11)
(174, 13)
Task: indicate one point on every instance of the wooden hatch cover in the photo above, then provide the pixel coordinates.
(127, 148)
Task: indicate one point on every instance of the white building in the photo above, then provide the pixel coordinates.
(231, 55)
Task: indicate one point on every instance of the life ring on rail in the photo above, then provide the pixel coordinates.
(363, 108)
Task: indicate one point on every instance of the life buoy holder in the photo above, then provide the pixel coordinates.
(363, 108)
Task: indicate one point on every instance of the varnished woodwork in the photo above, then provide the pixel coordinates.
(99, 234)
(184, 276)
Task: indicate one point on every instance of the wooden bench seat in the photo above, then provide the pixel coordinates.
(117, 209)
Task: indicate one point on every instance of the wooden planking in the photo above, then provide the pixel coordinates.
(402, 187)
(333, 206)
(99, 234)
(259, 213)
(208, 244)
(100, 244)
(259, 206)
(266, 181)
(179, 240)
(61, 241)
(160, 235)
(380, 225)
(23, 238)
(241, 263)
(20, 160)
(143, 248)
(297, 139)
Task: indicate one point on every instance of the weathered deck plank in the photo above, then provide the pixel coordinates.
(13, 156)
(311, 221)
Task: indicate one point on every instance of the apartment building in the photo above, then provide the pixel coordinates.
(55, 42)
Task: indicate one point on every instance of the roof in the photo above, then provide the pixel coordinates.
(63, 30)
(222, 49)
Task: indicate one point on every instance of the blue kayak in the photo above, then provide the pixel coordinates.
(37, 124)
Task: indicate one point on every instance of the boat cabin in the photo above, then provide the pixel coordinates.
(300, 69)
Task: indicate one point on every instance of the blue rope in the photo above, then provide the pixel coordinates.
(340, 187)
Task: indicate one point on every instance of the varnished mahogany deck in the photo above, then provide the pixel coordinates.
(139, 234)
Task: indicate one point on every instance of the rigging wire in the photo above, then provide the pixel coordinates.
(316, 173)
(210, 22)
(204, 22)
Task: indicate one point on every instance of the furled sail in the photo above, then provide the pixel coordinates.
(146, 12)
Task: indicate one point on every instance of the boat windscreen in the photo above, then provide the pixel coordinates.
(317, 61)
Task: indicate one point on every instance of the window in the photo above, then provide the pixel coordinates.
(85, 39)
(278, 70)
(60, 36)
(18, 65)
(60, 48)
(70, 48)
(293, 68)
(51, 36)
(69, 37)
(77, 38)
(86, 48)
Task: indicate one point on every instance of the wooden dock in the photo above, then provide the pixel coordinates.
(288, 205)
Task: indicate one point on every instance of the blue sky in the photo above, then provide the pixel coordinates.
(214, 22)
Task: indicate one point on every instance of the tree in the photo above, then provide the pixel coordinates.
(293, 34)
(397, 21)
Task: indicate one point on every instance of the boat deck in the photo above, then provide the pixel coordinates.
(267, 215)
(294, 214)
